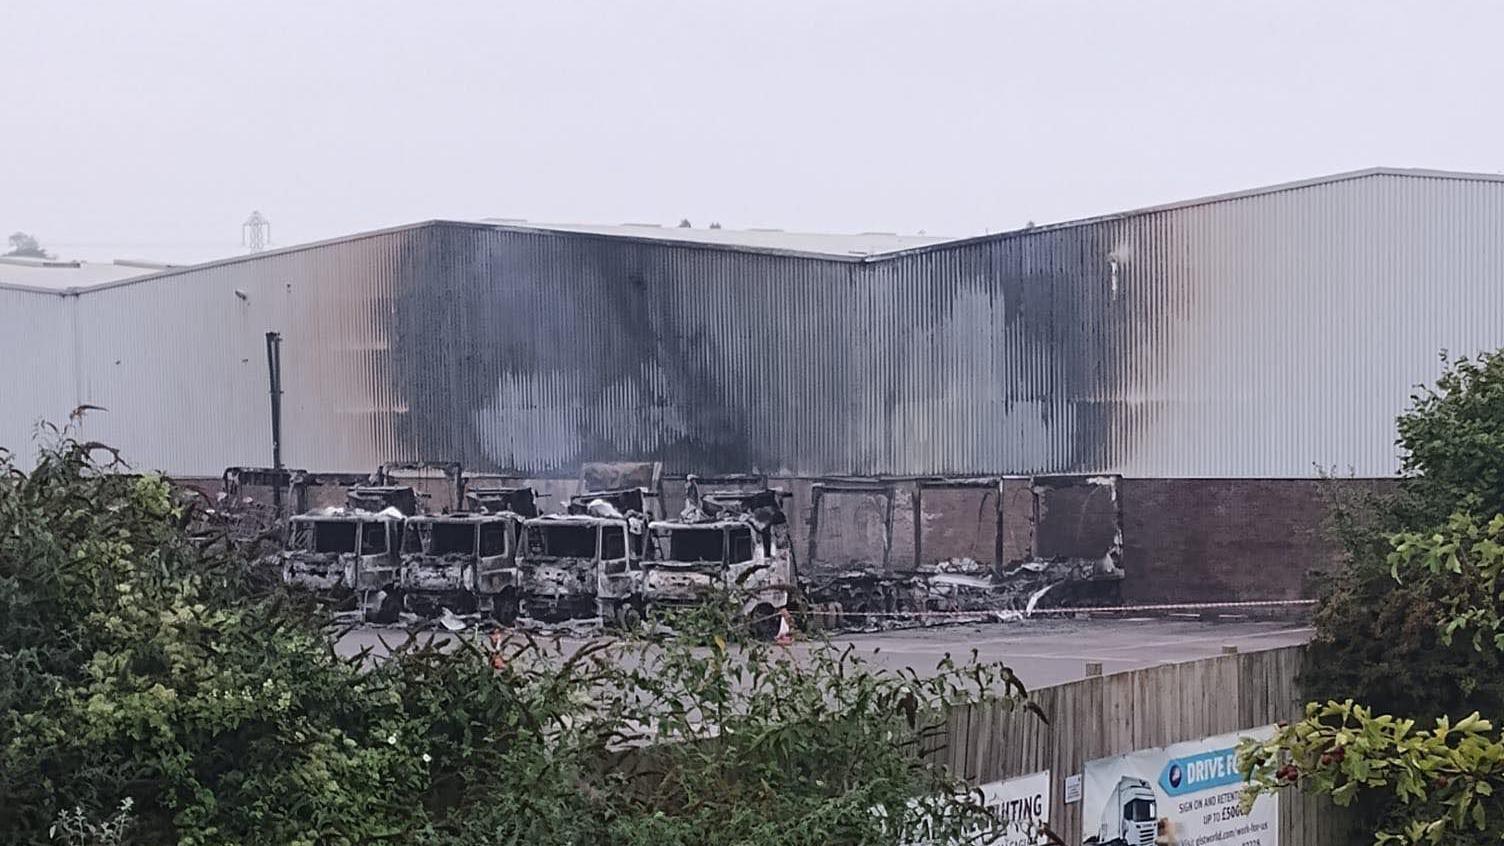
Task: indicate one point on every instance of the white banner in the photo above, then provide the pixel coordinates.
(1025, 803)
(1022, 804)
(1188, 794)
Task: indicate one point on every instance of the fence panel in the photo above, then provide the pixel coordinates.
(1106, 716)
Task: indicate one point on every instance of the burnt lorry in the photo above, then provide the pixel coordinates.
(349, 554)
(587, 562)
(732, 542)
(466, 561)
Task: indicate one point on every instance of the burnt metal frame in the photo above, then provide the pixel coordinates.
(995, 484)
(818, 490)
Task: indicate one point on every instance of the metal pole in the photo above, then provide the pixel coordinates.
(274, 373)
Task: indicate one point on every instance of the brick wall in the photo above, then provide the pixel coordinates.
(1211, 540)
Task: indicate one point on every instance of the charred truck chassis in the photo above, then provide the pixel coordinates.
(463, 562)
(348, 556)
(734, 540)
(576, 566)
(876, 548)
(467, 561)
(589, 561)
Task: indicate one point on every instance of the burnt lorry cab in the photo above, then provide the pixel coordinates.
(736, 542)
(349, 554)
(587, 562)
(467, 561)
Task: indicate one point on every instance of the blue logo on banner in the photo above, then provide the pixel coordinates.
(1204, 771)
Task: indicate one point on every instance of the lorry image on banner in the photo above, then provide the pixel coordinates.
(1187, 794)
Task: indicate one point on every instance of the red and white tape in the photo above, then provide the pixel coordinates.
(1089, 609)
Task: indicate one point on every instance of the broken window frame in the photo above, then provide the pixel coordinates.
(377, 529)
(417, 530)
(440, 527)
(671, 549)
(608, 534)
(729, 545)
(315, 533)
(490, 529)
(548, 552)
(302, 536)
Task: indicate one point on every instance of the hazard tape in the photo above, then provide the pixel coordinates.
(1088, 609)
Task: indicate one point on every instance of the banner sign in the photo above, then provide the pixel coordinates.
(1188, 794)
(1024, 802)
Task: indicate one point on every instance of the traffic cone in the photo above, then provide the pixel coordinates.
(785, 628)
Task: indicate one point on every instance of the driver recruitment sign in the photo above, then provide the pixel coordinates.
(1188, 794)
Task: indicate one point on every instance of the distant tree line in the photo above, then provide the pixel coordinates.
(24, 245)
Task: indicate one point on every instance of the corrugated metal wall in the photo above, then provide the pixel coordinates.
(180, 361)
(36, 366)
(1263, 335)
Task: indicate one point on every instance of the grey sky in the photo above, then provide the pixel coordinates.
(131, 125)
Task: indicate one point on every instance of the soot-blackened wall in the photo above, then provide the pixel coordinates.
(1231, 337)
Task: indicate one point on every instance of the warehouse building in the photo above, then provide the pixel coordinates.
(1265, 335)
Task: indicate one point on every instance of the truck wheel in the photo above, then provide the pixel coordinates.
(629, 617)
(504, 607)
(764, 621)
(607, 611)
(381, 606)
(463, 602)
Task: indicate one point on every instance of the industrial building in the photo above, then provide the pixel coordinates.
(1263, 335)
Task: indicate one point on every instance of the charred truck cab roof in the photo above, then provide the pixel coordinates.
(522, 502)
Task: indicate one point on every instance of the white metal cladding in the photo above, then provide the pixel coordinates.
(36, 379)
(180, 361)
(1308, 317)
(1265, 334)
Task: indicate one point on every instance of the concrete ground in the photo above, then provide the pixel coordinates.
(1042, 652)
(1050, 652)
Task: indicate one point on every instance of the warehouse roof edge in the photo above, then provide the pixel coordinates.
(685, 238)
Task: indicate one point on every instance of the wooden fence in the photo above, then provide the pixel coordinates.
(1113, 715)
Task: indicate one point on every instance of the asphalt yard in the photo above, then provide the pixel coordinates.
(1042, 652)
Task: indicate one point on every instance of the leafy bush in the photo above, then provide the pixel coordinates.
(1376, 639)
(1411, 633)
(1437, 785)
(141, 660)
(1443, 784)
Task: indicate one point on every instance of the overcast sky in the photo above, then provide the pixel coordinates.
(152, 127)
